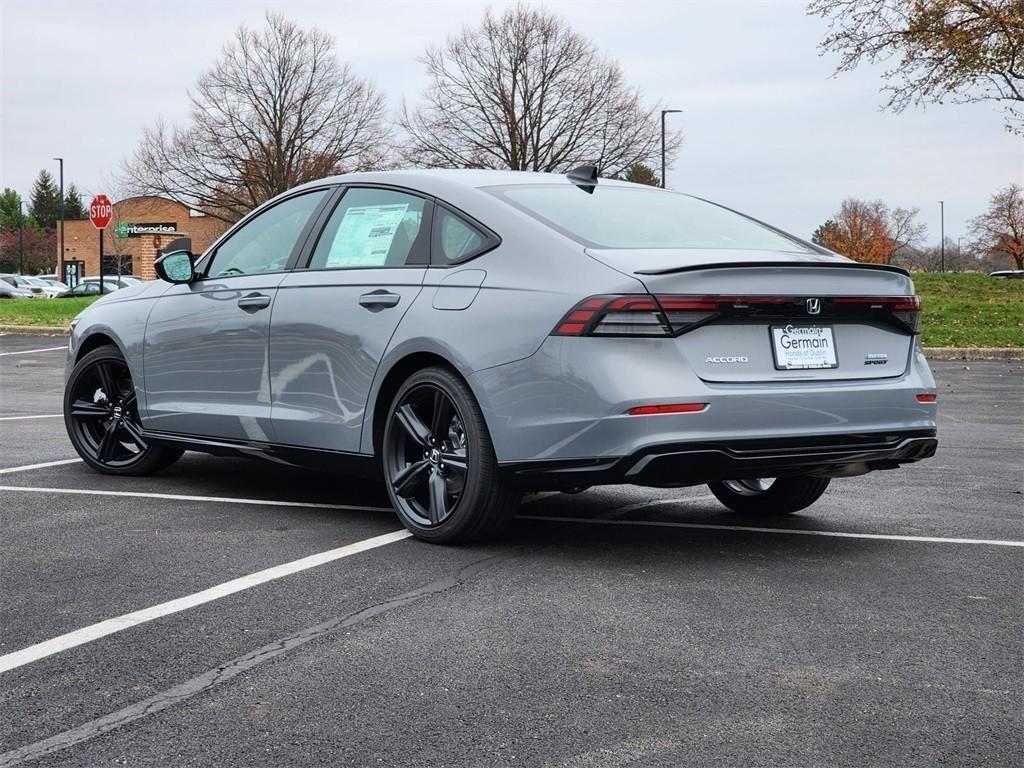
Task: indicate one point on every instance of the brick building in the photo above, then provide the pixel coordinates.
(140, 227)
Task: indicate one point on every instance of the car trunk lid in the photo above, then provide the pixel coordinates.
(755, 316)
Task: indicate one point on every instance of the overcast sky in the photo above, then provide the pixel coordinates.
(767, 130)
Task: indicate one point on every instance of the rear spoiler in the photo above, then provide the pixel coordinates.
(755, 264)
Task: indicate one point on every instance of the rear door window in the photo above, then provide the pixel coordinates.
(373, 227)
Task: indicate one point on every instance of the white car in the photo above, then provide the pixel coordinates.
(49, 290)
(119, 282)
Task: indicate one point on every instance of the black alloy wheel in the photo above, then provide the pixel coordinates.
(429, 459)
(101, 414)
(439, 464)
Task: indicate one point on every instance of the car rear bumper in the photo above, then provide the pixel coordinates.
(572, 400)
(679, 464)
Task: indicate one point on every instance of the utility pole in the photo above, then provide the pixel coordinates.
(60, 261)
(942, 235)
(21, 236)
(663, 113)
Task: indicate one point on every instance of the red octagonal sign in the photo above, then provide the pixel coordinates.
(100, 211)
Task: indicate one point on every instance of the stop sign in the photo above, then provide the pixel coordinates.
(100, 211)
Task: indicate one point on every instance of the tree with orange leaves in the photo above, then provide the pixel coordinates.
(870, 231)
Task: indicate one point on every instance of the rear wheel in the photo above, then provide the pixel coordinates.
(102, 417)
(769, 495)
(439, 464)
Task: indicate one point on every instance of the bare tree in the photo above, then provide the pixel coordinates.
(870, 231)
(524, 91)
(277, 109)
(999, 232)
(962, 50)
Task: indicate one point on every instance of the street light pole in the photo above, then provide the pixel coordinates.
(60, 261)
(942, 234)
(21, 236)
(663, 113)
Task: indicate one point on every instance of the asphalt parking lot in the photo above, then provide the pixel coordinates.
(620, 626)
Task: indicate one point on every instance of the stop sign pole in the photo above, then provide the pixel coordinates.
(100, 214)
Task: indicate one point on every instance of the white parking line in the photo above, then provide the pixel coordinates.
(184, 497)
(792, 531)
(31, 351)
(42, 416)
(110, 626)
(27, 467)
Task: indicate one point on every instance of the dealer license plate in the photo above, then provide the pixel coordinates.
(801, 347)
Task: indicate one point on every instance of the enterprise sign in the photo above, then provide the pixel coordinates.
(127, 229)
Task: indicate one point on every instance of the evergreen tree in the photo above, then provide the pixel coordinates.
(45, 201)
(10, 205)
(74, 208)
(821, 233)
(638, 173)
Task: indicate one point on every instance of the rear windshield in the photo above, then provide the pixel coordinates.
(638, 217)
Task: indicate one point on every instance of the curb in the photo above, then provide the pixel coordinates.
(34, 330)
(975, 353)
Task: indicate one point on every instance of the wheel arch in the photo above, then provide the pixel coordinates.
(400, 370)
(95, 341)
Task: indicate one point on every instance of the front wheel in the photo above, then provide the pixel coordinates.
(770, 495)
(102, 417)
(439, 464)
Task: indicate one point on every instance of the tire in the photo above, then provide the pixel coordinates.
(101, 415)
(438, 462)
(767, 496)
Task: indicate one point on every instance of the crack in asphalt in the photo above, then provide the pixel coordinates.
(231, 669)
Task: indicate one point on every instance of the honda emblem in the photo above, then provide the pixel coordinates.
(813, 306)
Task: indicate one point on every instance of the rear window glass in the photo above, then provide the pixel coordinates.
(637, 217)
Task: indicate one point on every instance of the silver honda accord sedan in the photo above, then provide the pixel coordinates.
(470, 335)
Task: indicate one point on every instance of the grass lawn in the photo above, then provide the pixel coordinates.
(970, 310)
(51, 312)
(959, 310)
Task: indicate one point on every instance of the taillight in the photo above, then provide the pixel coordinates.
(614, 316)
(906, 309)
(684, 312)
(672, 315)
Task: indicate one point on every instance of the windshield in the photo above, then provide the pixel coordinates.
(639, 217)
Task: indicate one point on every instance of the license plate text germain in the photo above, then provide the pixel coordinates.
(804, 337)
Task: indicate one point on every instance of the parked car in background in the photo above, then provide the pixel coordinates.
(89, 288)
(9, 291)
(471, 335)
(124, 281)
(20, 281)
(55, 282)
(49, 290)
(1008, 274)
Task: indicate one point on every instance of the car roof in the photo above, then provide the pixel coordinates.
(437, 180)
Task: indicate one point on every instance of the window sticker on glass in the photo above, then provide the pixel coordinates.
(365, 235)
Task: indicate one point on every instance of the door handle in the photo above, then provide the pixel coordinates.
(254, 302)
(379, 299)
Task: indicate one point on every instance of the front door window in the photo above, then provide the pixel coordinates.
(265, 243)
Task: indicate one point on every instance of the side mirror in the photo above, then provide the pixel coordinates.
(176, 267)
